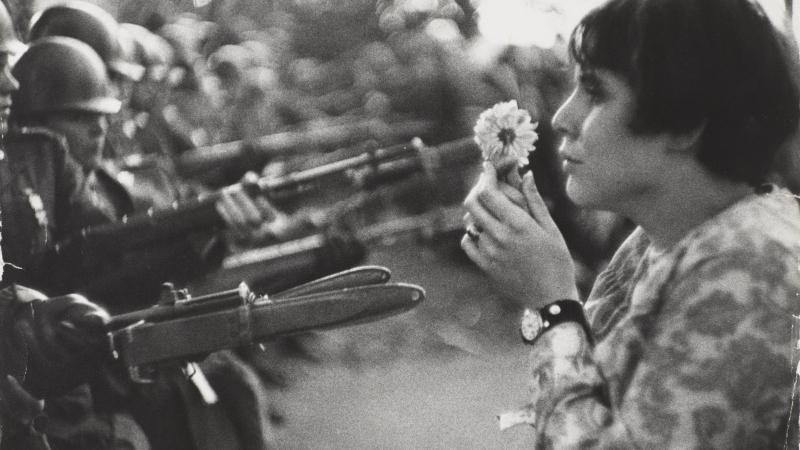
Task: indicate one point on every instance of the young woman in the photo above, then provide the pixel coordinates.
(684, 342)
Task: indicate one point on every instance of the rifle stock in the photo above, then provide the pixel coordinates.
(370, 168)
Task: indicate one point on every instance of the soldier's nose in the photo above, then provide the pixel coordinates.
(99, 125)
(8, 83)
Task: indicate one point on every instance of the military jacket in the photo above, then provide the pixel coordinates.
(38, 183)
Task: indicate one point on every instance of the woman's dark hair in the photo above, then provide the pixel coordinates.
(720, 64)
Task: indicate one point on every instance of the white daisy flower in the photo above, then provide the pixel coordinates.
(505, 132)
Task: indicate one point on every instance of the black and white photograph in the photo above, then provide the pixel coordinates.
(399, 224)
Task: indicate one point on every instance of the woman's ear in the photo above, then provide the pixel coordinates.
(686, 141)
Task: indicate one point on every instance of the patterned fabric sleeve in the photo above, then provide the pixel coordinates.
(707, 367)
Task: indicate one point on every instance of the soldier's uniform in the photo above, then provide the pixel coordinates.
(170, 413)
(38, 184)
(45, 195)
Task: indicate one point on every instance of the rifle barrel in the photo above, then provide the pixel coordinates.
(198, 305)
(446, 218)
(202, 159)
(385, 165)
(359, 276)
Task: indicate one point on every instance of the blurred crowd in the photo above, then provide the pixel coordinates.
(311, 64)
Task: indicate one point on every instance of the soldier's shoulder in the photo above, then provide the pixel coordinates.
(36, 136)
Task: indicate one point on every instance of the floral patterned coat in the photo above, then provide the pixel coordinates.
(692, 344)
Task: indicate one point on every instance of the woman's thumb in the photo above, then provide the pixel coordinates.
(536, 204)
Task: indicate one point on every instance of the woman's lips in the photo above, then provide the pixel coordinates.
(569, 163)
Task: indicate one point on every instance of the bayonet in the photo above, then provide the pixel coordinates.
(257, 319)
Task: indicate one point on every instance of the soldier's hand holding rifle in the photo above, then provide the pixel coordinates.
(58, 340)
(250, 217)
(48, 346)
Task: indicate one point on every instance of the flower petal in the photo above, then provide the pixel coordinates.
(513, 124)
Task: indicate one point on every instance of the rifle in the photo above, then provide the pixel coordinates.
(371, 168)
(254, 153)
(180, 328)
(272, 267)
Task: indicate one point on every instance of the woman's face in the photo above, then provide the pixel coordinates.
(607, 166)
(85, 133)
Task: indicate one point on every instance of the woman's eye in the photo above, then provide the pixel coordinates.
(590, 85)
(595, 93)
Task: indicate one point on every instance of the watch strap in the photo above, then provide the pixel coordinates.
(536, 323)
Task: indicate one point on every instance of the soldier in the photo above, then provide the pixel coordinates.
(47, 346)
(94, 26)
(149, 95)
(77, 101)
(117, 48)
(190, 114)
(74, 105)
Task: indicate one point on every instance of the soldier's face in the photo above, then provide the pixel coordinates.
(85, 133)
(8, 84)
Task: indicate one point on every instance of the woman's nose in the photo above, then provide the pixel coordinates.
(564, 121)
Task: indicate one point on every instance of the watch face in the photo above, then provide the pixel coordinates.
(531, 325)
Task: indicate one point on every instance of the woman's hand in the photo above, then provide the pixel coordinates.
(518, 246)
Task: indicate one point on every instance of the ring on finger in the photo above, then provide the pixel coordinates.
(473, 232)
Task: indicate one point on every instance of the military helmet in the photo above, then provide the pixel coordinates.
(9, 42)
(151, 50)
(88, 23)
(61, 74)
(230, 61)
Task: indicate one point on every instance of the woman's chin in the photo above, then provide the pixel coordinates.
(578, 194)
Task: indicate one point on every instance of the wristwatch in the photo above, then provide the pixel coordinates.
(537, 322)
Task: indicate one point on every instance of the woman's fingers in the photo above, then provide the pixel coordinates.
(503, 210)
(470, 247)
(481, 250)
(497, 210)
(514, 195)
(536, 205)
(482, 219)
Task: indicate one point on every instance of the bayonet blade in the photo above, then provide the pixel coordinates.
(186, 337)
(357, 276)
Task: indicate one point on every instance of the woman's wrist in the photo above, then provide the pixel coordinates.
(536, 322)
(552, 295)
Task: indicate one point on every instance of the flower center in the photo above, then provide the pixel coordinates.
(506, 136)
